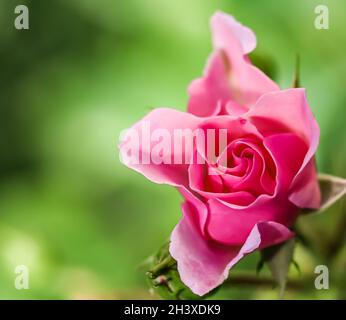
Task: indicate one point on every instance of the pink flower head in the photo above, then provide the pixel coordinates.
(247, 194)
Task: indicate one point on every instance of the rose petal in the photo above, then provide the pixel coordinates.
(290, 112)
(168, 120)
(235, 109)
(208, 94)
(305, 192)
(229, 74)
(227, 30)
(230, 224)
(235, 128)
(203, 265)
(198, 215)
(288, 151)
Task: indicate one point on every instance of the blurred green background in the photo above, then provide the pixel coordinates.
(84, 71)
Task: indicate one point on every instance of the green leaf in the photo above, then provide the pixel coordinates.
(278, 259)
(332, 189)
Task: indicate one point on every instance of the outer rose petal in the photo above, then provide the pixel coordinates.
(247, 82)
(203, 265)
(244, 36)
(199, 215)
(305, 190)
(229, 74)
(230, 224)
(169, 120)
(208, 94)
(290, 109)
(288, 151)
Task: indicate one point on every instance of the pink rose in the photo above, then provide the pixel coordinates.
(248, 194)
